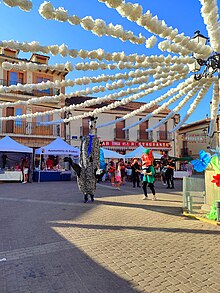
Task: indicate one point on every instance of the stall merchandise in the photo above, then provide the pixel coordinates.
(11, 151)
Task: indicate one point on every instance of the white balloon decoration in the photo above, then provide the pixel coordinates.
(22, 4)
(152, 72)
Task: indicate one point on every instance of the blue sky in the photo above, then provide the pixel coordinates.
(30, 26)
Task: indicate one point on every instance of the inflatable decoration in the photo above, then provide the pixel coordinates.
(216, 180)
(215, 161)
(216, 152)
(202, 163)
(212, 215)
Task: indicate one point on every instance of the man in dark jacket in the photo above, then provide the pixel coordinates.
(135, 167)
(170, 167)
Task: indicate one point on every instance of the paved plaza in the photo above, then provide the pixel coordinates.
(51, 242)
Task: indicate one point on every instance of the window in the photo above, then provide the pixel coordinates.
(15, 78)
(143, 135)
(85, 126)
(163, 133)
(18, 122)
(40, 119)
(119, 132)
(41, 79)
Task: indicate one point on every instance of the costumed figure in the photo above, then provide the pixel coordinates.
(147, 158)
(88, 163)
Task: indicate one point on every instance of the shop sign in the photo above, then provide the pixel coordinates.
(152, 144)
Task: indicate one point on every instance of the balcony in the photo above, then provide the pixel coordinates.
(5, 82)
(29, 129)
(164, 136)
(144, 136)
(121, 134)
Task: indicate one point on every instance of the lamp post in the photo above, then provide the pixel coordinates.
(68, 115)
(210, 66)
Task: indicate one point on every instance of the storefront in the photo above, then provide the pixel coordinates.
(124, 147)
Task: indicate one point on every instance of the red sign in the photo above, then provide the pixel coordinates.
(150, 144)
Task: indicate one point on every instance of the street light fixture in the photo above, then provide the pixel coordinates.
(68, 115)
(212, 63)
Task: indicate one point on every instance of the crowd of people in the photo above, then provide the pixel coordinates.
(141, 172)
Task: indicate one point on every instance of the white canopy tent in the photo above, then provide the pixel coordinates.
(58, 147)
(7, 144)
(137, 153)
(14, 152)
(111, 154)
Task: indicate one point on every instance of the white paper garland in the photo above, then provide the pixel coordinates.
(22, 4)
(77, 81)
(173, 112)
(97, 27)
(133, 12)
(214, 107)
(193, 106)
(150, 86)
(99, 54)
(155, 102)
(142, 108)
(210, 15)
(33, 66)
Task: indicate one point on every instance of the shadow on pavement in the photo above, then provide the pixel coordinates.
(144, 229)
(175, 211)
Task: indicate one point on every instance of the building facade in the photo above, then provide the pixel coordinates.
(30, 131)
(194, 137)
(115, 138)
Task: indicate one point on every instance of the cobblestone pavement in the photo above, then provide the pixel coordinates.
(51, 242)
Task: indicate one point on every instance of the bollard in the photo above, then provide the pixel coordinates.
(218, 210)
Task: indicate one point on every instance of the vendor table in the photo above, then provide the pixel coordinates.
(11, 176)
(52, 176)
(180, 174)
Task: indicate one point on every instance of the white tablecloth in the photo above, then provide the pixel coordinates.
(180, 174)
(11, 176)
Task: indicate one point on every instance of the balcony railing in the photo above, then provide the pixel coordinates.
(164, 136)
(29, 128)
(144, 136)
(46, 92)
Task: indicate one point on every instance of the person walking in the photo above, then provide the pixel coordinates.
(4, 160)
(170, 167)
(25, 169)
(122, 169)
(111, 172)
(148, 180)
(118, 178)
(135, 167)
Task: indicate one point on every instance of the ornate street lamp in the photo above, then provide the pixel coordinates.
(211, 65)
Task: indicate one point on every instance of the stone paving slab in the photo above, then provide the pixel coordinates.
(53, 242)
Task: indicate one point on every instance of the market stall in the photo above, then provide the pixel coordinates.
(11, 154)
(47, 170)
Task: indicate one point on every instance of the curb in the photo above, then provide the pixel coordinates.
(185, 214)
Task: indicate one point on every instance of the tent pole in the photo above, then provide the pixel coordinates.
(39, 170)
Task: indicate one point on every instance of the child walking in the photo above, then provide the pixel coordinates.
(118, 177)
